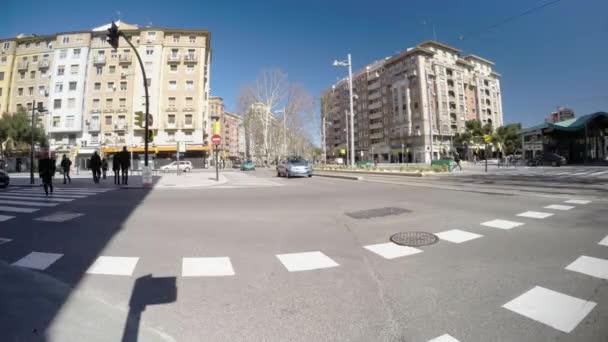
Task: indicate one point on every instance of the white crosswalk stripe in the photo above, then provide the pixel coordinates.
(36, 204)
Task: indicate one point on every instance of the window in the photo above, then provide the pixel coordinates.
(189, 85)
(60, 70)
(6, 45)
(188, 136)
(151, 35)
(171, 119)
(192, 39)
(172, 102)
(58, 87)
(174, 53)
(33, 74)
(188, 101)
(74, 69)
(170, 136)
(110, 86)
(27, 45)
(22, 75)
(176, 38)
(173, 67)
(3, 59)
(172, 85)
(97, 86)
(56, 121)
(43, 73)
(188, 119)
(149, 50)
(72, 86)
(94, 138)
(30, 91)
(1, 75)
(112, 69)
(121, 121)
(123, 86)
(486, 83)
(66, 39)
(63, 54)
(0, 91)
(57, 104)
(95, 103)
(71, 103)
(35, 59)
(99, 70)
(122, 103)
(19, 91)
(76, 53)
(108, 120)
(191, 53)
(41, 90)
(108, 103)
(189, 68)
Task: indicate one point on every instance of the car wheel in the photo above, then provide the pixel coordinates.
(309, 176)
(278, 174)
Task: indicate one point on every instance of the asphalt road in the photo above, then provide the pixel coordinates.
(245, 282)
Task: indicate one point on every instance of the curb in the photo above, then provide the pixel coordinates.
(338, 176)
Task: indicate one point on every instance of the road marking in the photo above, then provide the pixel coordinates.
(35, 204)
(36, 194)
(557, 310)
(559, 207)
(111, 265)
(599, 173)
(306, 261)
(604, 241)
(392, 250)
(577, 201)
(580, 173)
(502, 224)
(457, 236)
(59, 217)
(535, 214)
(207, 267)
(5, 240)
(65, 193)
(444, 338)
(18, 210)
(590, 266)
(61, 189)
(41, 198)
(38, 260)
(5, 218)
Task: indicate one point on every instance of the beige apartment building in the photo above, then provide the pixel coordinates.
(409, 106)
(92, 91)
(231, 123)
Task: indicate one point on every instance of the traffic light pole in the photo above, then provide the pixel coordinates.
(143, 72)
(32, 143)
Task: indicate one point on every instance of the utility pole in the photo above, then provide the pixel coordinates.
(346, 159)
(32, 143)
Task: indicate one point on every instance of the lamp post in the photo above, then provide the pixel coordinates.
(40, 109)
(348, 63)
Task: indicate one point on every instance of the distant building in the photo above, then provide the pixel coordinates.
(230, 134)
(561, 114)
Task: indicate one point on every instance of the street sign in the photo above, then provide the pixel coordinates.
(216, 139)
(181, 146)
(342, 151)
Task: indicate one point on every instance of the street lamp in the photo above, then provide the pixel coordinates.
(41, 109)
(348, 63)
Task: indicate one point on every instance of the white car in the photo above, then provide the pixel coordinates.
(185, 166)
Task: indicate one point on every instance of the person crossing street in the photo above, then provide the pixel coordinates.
(66, 163)
(116, 168)
(96, 166)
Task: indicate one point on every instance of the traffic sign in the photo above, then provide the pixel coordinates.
(216, 139)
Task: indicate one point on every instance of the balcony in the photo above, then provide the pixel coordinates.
(375, 116)
(190, 58)
(188, 109)
(173, 58)
(44, 64)
(376, 125)
(171, 109)
(375, 105)
(125, 59)
(121, 126)
(108, 110)
(99, 60)
(97, 110)
(376, 136)
(94, 126)
(121, 110)
(22, 65)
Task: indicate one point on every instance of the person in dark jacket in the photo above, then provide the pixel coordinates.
(125, 164)
(46, 169)
(66, 163)
(95, 166)
(104, 167)
(116, 168)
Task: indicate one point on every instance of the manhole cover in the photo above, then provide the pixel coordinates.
(414, 239)
(379, 212)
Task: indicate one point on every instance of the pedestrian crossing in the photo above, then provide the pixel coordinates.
(16, 201)
(599, 173)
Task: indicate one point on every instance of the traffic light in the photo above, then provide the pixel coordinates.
(150, 136)
(113, 36)
(139, 119)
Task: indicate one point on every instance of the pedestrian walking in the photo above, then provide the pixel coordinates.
(104, 167)
(125, 164)
(66, 164)
(46, 170)
(96, 166)
(457, 160)
(116, 168)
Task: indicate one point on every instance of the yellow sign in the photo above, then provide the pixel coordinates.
(487, 138)
(216, 127)
(342, 151)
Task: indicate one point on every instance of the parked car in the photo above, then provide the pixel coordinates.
(185, 166)
(236, 165)
(552, 159)
(248, 166)
(294, 167)
(4, 179)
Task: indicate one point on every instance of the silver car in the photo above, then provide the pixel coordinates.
(294, 167)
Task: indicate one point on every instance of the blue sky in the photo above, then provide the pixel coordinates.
(551, 57)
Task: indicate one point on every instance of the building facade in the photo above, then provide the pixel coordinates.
(230, 135)
(92, 91)
(561, 114)
(409, 106)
